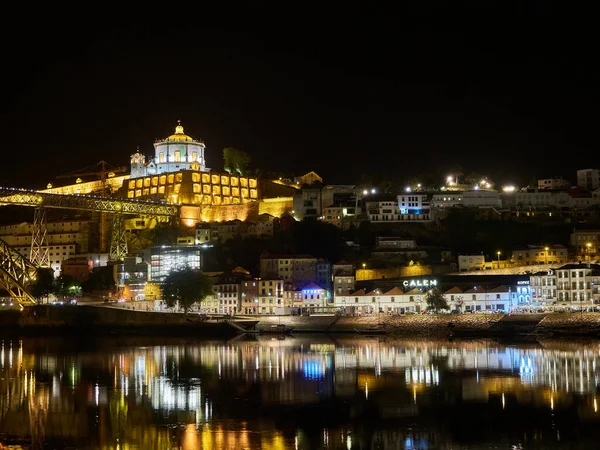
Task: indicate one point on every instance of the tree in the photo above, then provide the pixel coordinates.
(235, 161)
(459, 303)
(435, 300)
(44, 285)
(67, 286)
(185, 287)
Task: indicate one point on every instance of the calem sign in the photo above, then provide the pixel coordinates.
(419, 283)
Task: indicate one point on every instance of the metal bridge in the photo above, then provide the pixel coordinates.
(18, 273)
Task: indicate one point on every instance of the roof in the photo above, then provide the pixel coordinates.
(475, 289)
(312, 286)
(179, 135)
(416, 291)
(375, 292)
(454, 290)
(575, 266)
(358, 293)
(343, 273)
(579, 192)
(500, 288)
(292, 256)
(395, 291)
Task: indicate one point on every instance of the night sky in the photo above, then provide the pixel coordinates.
(509, 91)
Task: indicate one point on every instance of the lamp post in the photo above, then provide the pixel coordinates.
(588, 246)
(546, 249)
(498, 253)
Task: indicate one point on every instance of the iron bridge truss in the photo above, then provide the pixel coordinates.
(24, 197)
(17, 273)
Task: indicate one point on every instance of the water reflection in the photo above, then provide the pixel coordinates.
(297, 393)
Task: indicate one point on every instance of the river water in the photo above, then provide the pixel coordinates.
(298, 392)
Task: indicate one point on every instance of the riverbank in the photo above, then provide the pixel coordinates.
(45, 319)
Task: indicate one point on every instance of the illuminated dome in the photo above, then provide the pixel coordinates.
(179, 135)
(178, 152)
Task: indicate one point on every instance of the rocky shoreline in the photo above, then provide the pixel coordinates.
(82, 318)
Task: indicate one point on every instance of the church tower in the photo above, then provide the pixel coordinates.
(138, 165)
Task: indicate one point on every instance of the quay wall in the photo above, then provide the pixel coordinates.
(85, 318)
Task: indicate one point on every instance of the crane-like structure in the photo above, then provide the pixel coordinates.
(103, 170)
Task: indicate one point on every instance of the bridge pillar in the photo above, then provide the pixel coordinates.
(39, 255)
(17, 274)
(118, 240)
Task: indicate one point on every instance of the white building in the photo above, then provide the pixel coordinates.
(571, 286)
(588, 179)
(467, 263)
(447, 199)
(203, 234)
(545, 199)
(270, 296)
(533, 199)
(398, 301)
(177, 152)
(415, 205)
(553, 183)
(56, 253)
(481, 198)
(314, 296)
(409, 207)
(65, 239)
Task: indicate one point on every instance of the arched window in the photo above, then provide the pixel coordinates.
(161, 157)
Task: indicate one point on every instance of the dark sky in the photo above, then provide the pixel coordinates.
(495, 87)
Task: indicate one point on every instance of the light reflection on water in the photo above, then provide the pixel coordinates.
(304, 392)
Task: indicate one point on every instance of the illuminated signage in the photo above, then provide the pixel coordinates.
(420, 283)
(522, 282)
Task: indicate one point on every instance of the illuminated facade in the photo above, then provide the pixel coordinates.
(178, 174)
(570, 286)
(177, 152)
(411, 299)
(537, 254)
(167, 258)
(194, 187)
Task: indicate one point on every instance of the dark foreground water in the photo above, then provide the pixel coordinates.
(304, 392)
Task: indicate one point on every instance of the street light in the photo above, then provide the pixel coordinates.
(546, 253)
(498, 253)
(588, 248)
